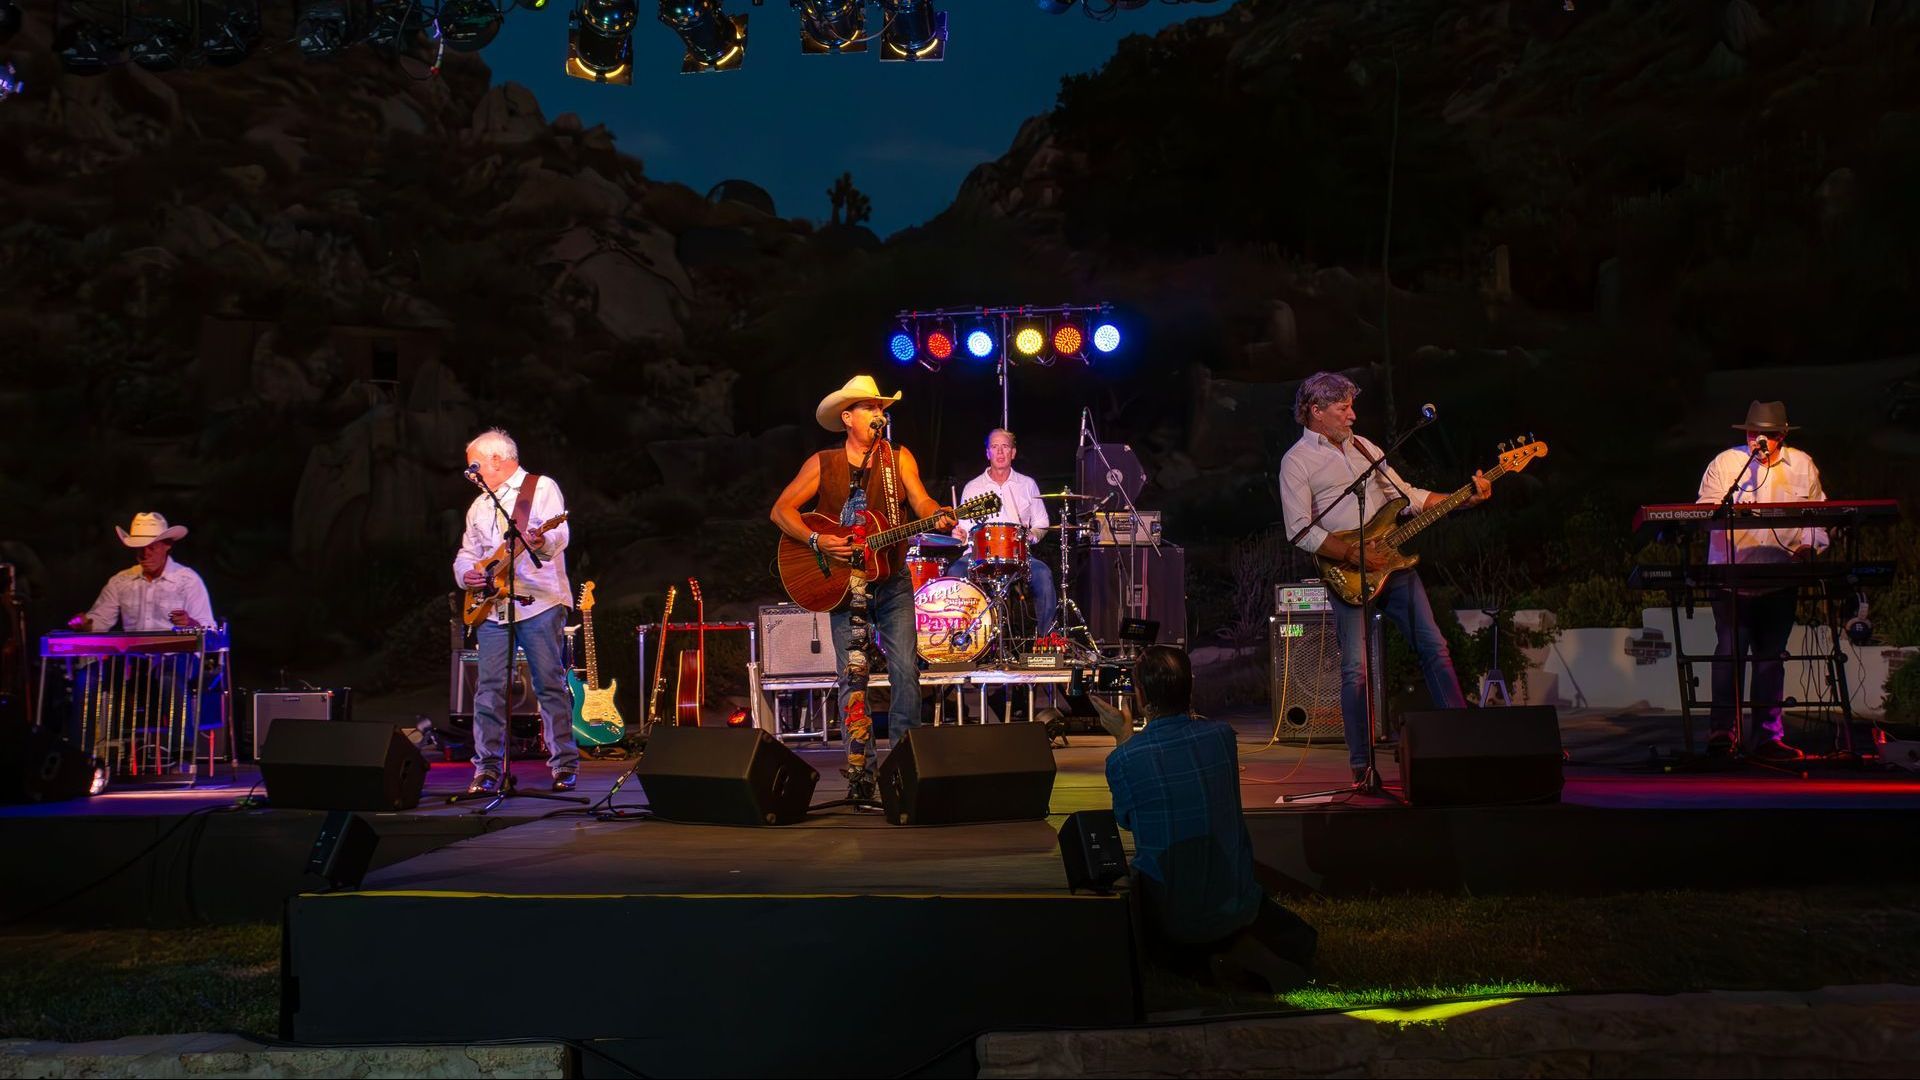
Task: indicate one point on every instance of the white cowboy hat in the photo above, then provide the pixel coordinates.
(859, 388)
(148, 528)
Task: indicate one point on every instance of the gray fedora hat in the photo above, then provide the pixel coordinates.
(1766, 416)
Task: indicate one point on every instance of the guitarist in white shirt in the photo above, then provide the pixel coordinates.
(538, 625)
(1316, 471)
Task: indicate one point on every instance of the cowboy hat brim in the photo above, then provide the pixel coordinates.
(171, 532)
(831, 406)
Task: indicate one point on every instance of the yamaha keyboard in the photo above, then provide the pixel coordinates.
(1759, 575)
(1668, 518)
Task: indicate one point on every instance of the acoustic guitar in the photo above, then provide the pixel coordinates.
(690, 683)
(819, 583)
(480, 602)
(1385, 536)
(596, 719)
(660, 663)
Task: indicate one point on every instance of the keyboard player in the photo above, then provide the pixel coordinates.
(1763, 469)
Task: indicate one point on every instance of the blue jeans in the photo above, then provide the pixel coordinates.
(1046, 599)
(540, 638)
(1766, 625)
(890, 626)
(1404, 602)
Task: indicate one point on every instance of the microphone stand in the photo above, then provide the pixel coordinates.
(1733, 598)
(516, 542)
(1369, 782)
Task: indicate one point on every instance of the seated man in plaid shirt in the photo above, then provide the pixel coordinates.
(1176, 787)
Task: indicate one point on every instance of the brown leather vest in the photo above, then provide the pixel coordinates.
(836, 473)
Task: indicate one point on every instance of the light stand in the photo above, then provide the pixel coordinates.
(516, 543)
(1369, 782)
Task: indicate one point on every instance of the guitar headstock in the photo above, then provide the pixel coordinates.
(666, 610)
(553, 522)
(693, 586)
(586, 597)
(980, 506)
(1516, 455)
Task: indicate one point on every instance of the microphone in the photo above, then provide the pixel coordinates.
(473, 473)
(1429, 413)
(878, 423)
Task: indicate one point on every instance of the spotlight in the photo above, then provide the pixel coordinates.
(10, 17)
(228, 37)
(1029, 338)
(739, 718)
(1055, 7)
(715, 41)
(469, 25)
(832, 26)
(902, 346)
(600, 41)
(320, 27)
(532, 5)
(936, 343)
(980, 341)
(1106, 337)
(1069, 340)
(158, 43)
(393, 24)
(914, 31)
(86, 48)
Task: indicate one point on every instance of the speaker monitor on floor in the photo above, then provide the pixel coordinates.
(339, 765)
(724, 776)
(1467, 757)
(40, 765)
(343, 851)
(1091, 849)
(952, 775)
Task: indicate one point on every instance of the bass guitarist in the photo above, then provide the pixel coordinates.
(864, 472)
(1316, 471)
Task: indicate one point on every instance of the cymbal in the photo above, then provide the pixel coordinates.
(1068, 495)
(933, 539)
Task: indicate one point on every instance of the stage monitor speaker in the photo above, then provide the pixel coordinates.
(343, 851)
(795, 641)
(40, 765)
(1090, 847)
(327, 765)
(952, 775)
(1158, 579)
(724, 776)
(1470, 757)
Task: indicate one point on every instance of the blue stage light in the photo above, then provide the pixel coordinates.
(902, 346)
(980, 344)
(1106, 337)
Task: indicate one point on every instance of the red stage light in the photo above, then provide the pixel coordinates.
(739, 718)
(1067, 339)
(939, 345)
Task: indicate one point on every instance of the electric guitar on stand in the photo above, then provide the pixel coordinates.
(480, 602)
(1384, 536)
(690, 686)
(596, 719)
(660, 663)
(819, 583)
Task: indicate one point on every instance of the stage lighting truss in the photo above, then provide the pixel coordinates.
(714, 40)
(914, 31)
(600, 41)
(1008, 335)
(832, 26)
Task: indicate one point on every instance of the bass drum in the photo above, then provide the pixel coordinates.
(952, 621)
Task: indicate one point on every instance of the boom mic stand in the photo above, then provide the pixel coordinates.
(1369, 782)
(516, 543)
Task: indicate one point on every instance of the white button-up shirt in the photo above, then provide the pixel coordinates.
(486, 530)
(1020, 502)
(1793, 478)
(1316, 471)
(136, 602)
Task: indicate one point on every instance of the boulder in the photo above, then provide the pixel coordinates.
(508, 113)
(1741, 26)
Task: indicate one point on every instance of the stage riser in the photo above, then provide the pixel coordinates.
(710, 985)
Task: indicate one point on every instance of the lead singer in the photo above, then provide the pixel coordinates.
(864, 472)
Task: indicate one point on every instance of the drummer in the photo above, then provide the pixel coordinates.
(1020, 505)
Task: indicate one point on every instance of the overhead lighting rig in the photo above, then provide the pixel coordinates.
(1005, 337)
(600, 41)
(714, 40)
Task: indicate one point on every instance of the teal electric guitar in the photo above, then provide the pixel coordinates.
(596, 719)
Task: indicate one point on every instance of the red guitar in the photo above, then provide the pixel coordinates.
(690, 686)
(819, 583)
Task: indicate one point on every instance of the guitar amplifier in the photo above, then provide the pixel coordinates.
(271, 705)
(1120, 527)
(795, 641)
(1305, 676)
(465, 678)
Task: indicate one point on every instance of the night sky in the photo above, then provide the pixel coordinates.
(909, 133)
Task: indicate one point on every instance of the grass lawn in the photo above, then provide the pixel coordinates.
(1393, 950)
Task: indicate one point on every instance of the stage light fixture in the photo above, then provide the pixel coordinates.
(85, 47)
(600, 41)
(1030, 338)
(158, 44)
(1069, 338)
(939, 344)
(10, 18)
(714, 40)
(832, 26)
(914, 31)
(469, 25)
(228, 36)
(1106, 337)
(1055, 7)
(320, 28)
(531, 5)
(980, 342)
(902, 344)
(393, 24)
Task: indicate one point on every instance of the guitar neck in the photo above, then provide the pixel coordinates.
(593, 654)
(1413, 525)
(901, 532)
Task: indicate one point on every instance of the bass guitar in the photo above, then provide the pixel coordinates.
(1385, 536)
(819, 583)
(690, 683)
(480, 602)
(660, 663)
(596, 719)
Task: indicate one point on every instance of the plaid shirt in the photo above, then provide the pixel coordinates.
(1176, 787)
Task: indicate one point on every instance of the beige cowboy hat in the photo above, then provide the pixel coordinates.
(148, 528)
(859, 388)
(1766, 416)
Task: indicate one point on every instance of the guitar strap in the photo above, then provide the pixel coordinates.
(523, 503)
(1382, 473)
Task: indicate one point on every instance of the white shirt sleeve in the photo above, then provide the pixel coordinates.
(1814, 538)
(547, 505)
(199, 605)
(1713, 485)
(1296, 503)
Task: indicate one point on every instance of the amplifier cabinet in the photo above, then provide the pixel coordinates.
(795, 641)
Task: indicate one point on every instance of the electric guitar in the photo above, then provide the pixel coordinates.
(819, 583)
(1385, 537)
(690, 685)
(660, 663)
(480, 602)
(596, 719)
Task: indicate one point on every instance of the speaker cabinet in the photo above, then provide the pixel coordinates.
(1154, 580)
(1304, 675)
(466, 679)
(795, 641)
(952, 775)
(1091, 849)
(1469, 757)
(329, 765)
(271, 705)
(724, 776)
(40, 765)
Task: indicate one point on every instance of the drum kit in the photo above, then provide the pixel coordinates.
(965, 592)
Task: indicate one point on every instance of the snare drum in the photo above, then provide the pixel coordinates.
(998, 548)
(952, 621)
